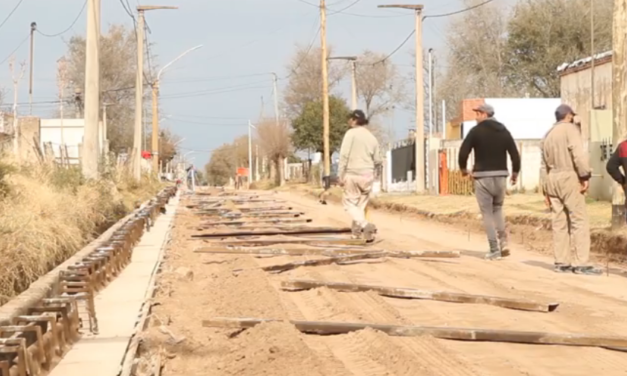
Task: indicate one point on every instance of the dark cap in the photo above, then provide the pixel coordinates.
(485, 108)
(563, 110)
(357, 115)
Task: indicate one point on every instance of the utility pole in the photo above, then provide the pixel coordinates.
(353, 62)
(139, 88)
(105, 140)
(90, 151)
(619, 102)
(155, 108)
(62, 83)
(420, 122)
(325, 90)
(33, 28)
(592, 58)
(16, 84)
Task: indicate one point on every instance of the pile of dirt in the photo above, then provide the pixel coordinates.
(271, 349)
(49, 213)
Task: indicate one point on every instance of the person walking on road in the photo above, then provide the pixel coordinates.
(360, 160)
(491, 142)
(566, 174)
(614, 164)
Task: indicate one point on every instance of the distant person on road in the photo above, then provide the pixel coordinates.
(491, 142)
(360, 160)
(614, 164)
(566, 173)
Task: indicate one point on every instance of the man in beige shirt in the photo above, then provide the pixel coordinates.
(359, 165)
(566, 174)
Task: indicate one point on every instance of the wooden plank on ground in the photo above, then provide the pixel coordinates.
(461, 334)
(280, 268)
(268, 242)
(303, 230)
(329, 252)
(256, 221)
(409, 293)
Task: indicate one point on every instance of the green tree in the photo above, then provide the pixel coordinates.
(307, 126)
(542, 34)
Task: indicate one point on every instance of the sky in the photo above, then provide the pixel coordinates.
(208, 96)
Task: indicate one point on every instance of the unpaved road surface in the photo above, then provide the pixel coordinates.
(594, 305)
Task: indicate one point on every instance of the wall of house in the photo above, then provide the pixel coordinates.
(575, 87)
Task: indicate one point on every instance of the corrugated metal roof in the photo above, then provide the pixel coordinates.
(583, 61)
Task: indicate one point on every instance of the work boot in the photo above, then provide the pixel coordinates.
(369, 232)
(587, 270)
(495, 251)
(562, 268)
(504, 245)
(355, 230)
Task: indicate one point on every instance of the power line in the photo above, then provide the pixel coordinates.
(15, 50)
(313, 40)
(69, 27)
(345, 8)
(333, 12)
(11, 13)
(458, 11)
(396, 49)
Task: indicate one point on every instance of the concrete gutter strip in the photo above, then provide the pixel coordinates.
(44, 286)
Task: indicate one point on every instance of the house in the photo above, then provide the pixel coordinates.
(576, 86)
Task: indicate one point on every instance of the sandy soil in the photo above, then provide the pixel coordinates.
(195, 286)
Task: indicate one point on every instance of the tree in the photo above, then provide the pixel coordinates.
(379, 85)
(118, 53)
(542, 35)
(308, 125)
(225, 160)
(305, 82)
(274, 140)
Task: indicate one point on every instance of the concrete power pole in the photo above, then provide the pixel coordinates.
(16, 84)
(353, 61)
(325, 89)
(420, 121)
(139, 89)
(33, 28)
(90, 151)
(619, 101)
(62, 83)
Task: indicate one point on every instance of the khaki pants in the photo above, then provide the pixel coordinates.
(357, 190)
(570, 219)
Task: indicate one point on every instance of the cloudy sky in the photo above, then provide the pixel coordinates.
(209, 94)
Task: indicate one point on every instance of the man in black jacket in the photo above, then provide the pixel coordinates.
(614, 164)
(491, 142)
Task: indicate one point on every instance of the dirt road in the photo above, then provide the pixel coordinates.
(196, 286)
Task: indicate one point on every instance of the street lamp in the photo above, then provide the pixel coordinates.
(353, 61)
(155, 110)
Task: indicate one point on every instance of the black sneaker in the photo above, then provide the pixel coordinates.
(505, 249)
(562, 268)
(587, 270)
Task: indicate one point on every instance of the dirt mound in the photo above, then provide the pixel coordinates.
(272, 349)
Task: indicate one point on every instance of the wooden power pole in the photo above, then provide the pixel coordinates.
(33, 28)
(619, 101)
(139, 91)
(90, 152)
(325, 89)
(420, 99)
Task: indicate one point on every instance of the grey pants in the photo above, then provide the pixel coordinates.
(490, 193)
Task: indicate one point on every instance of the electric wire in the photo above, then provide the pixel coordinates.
(11, 13)
(69, 27)
(15, 50)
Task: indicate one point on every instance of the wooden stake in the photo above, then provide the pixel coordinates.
(462, 334)
(442, 296)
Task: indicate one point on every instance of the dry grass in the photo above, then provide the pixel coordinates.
(47, 214)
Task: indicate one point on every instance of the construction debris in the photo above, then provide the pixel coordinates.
(461, 334)
(409, 293)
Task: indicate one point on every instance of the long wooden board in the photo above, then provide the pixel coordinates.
(409, 293)
(461, 334)
(329, 252)
(268, 242)
(280, 268)
(303, 230)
